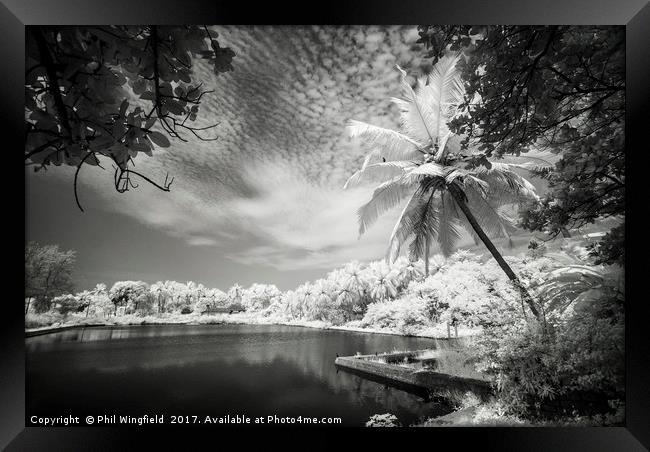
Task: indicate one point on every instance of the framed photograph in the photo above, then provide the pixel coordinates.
(376, 216)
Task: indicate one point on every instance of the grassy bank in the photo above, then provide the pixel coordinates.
(43, 324)
(494, 414)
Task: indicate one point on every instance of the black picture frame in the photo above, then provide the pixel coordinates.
(633, 14)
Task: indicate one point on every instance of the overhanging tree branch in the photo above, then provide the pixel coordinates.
(53, 78)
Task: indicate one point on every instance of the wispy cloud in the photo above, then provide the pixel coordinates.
(305, 225)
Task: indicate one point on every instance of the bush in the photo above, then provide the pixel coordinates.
(41, 305)
(40, 320)
(406, 315)
(580, 351)
(66, 304)
(383, 420)
(427, 291)
(466, 291)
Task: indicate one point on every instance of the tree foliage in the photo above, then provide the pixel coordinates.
(259, 296)
(113, 92)
(96, 301)
(582, 349)
(48, 273)
(132, 295)
(611, 249)
(65, 304)
(558, 88)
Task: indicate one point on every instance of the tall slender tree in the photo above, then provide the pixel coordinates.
(447, 187)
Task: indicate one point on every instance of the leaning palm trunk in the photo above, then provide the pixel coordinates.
(459, 197)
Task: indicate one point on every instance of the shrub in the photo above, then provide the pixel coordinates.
(383, 420)
(580, 350)
(406, 315)
(33, 320)
(65, 304)
(495, 413)
(467, 291)
(427, 290)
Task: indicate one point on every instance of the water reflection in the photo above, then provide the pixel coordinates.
(215, 369)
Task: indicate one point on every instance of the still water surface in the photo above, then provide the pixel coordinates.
(214, 370)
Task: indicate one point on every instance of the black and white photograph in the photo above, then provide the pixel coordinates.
(325, 226)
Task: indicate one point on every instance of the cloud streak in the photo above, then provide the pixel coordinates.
(305, 225)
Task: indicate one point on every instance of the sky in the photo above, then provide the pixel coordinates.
(265, 202)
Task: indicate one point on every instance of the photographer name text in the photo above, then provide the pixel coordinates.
(114, 419)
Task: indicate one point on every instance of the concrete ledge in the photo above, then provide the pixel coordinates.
(415, 378)
(397, 384)
(48, 330)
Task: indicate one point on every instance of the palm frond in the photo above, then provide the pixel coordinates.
(479, 185)
(506, 186)
(527, 165)
(416, 115)
(374, 154)
(444, 91)
(378, 172)
(426, 226)
(442, 143)
(432, 169)
(448, 230)
(491, 218)
(385, 197)
(418, 219)
(402, 228)
(533, 160)
(393, 145)
(454, 174)
(564, 286)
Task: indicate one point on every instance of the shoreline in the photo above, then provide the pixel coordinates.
(39, 331)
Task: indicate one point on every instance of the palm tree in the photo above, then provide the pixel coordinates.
(448, 188)
(85, 298)
(407, 271)
(382, 280)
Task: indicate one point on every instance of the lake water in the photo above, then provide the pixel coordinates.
(214, 370)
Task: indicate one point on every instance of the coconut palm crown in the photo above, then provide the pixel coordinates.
(448, 188)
